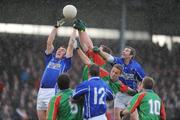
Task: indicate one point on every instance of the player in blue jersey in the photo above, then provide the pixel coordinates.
(132, 76)
(95, 92)
(55, 64)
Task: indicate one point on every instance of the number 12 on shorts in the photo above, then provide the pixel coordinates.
(99, 94)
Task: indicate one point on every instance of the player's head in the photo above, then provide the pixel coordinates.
(148, 83)
(94, 70)
(105, 49)
(61, 51)
(63, 81)
(128, 53)
(116, 71)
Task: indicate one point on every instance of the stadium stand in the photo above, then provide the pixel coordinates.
(21, 65)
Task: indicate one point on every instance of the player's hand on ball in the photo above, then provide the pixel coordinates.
(60, 22)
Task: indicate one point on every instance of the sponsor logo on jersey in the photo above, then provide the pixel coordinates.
(127, 76)
(54, 65)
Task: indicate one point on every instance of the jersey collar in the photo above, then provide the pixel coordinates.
(148, 90)
(96, 77)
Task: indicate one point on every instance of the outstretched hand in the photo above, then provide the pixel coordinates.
(60, 22)
(76, 44)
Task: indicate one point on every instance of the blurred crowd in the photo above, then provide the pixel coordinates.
(22, 64)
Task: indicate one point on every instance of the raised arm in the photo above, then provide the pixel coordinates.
(83, 57)
(50, 40)
(85, 40)
(69, 52)
(106, 56)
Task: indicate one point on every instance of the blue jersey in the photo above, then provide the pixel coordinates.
(95, 92)
(132, 73)
(54, 67)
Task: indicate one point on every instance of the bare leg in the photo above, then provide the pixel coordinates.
(41, 114)
(117, 113)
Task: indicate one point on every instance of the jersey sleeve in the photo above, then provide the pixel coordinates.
(89, 53)
(162, 111)
(96, 58)
(48, 57)
(53, 108)
(68, 63)
(103, 73)
(80, 90)
(140, 74)
(116, 60)
(135, 102)
(109, 93)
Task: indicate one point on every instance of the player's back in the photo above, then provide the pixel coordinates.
(98, 93)
(150, 106)
(65, 109)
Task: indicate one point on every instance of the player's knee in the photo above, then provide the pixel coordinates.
(41, 115)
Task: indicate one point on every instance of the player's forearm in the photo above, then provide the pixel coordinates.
(50, 40)
(52, 36)
(83, 57)
(103, 55)
(69, 52)
(106, 56)
(131, 91)
(85, 41)
(128, 90)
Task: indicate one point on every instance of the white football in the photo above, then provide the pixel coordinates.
(69, 11)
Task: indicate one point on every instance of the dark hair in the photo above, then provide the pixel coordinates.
(94, 70)
(106, 49)
(148, 83)
(119, 67)
(133, 51)
(63, 81)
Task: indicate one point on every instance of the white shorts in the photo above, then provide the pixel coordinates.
(122, 100)
(43, 98)
(100, 117)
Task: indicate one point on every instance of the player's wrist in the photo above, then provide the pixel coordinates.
(56, 26)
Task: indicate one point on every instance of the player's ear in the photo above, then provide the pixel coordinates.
(131, 56)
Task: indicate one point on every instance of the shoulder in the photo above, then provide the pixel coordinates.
(136, 64)
(65, 59)
(102, 82)
(55, 98)
(84, 83)
(118, 59)
(141, 94)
